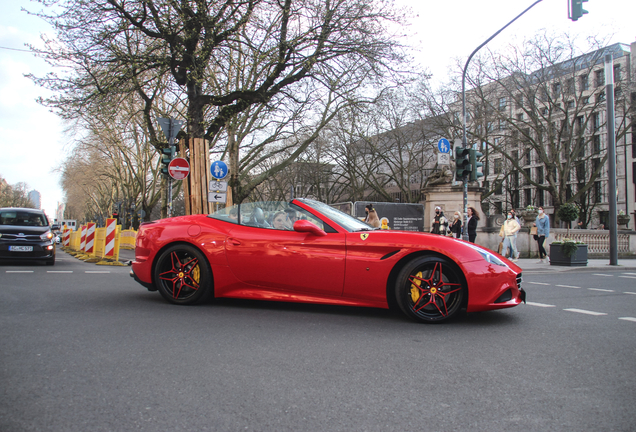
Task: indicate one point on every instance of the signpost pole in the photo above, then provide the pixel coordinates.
(170, 143)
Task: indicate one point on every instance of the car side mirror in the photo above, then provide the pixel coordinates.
(308, 227)
(55, 226)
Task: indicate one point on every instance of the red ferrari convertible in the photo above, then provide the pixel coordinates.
(306, 251)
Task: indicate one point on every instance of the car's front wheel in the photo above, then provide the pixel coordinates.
(429, 289)
(182, 275)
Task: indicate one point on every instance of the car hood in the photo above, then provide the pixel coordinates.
(13, 229)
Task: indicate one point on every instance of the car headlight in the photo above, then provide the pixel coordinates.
(489, 257)
(47, 235)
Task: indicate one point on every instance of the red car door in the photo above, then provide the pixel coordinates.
(289, 260)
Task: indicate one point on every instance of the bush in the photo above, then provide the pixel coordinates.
(567, 213)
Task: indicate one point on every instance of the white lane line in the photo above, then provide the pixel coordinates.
(59, 271)
(600, 289)
(628, 319)
(19, 271)
(537, 283)
(539, 304)
(628, 277)
(601, 274)
(96, 271)
(583, 311)
(631, 274)
(629, 292)
(567, 286)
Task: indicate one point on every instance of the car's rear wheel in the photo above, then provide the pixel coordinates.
(182, 275)
(429, 289)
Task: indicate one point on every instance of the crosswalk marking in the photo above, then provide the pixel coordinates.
(583, 311)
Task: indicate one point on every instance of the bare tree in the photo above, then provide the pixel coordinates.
(16, 195)
(115, 48)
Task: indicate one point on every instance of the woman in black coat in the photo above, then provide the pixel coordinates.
(473, 219)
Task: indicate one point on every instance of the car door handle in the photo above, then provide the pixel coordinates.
(233, 241)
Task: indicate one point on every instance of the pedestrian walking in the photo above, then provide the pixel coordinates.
(508, 229)
(455, 226)
(473, 219)
(440, 224)
(542, 222)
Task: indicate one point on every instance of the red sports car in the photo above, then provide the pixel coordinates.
(306, 251)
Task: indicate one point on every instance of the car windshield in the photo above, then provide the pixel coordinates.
(277, 215)
(346, 221)
(22, 218)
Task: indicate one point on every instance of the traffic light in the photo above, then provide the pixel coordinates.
(167, 154)
(576, 9)
(462, 162)
(475, 164)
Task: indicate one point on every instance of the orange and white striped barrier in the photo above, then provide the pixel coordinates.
(90, 238)
(66, 237)
(83, 238)
(111, 228)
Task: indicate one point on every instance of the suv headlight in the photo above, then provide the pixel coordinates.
(47, 235)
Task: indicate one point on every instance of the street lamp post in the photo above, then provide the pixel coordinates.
(464, 142)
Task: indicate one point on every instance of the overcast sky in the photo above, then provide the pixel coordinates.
(33, 140)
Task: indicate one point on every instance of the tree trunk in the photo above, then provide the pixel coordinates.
(195, 186)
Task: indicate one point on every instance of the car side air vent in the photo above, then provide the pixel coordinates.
(389, 255)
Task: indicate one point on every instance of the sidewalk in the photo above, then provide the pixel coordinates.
(531, 265)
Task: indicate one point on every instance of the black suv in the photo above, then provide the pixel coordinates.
(25, 234)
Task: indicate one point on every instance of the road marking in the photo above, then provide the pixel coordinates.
(583, 311)
(628, 292)
(59, 271)
(96, 271)
(601, 274)
(631, 274)
(567, 286)
(19, 271)
(628, 277)
(539, 304)
(628, 319)
(538, 283)
(600, 289)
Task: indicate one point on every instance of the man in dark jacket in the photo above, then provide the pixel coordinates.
(439, 222)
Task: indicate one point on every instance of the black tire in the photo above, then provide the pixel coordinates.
(429, 289)
(50, 262)
(182, 275)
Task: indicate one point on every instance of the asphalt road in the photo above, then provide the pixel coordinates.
(95, 351)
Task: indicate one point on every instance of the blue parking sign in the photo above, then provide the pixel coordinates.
(218, 169)
(443, 145)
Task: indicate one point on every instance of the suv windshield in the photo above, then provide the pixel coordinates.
(22, 218)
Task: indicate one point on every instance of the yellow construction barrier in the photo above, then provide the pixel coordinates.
(100, 246)
(128, 238)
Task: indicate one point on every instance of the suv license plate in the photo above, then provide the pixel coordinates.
(21, 248)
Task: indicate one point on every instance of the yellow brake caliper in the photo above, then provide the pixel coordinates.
(415, 287)
(196, 274)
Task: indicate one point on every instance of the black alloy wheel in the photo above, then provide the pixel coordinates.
(182, 275)
(429, 289)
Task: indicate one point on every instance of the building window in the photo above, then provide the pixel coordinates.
(502, 103)
(569, 86)
(598, 192)
(596, 144)
(528, 193)
(586, 100)
(498, 166)
(570, 104)
(596, 121)
(528, 176)
(599, 78)
(580, 171)
(498, 188)
(519, 102)
(520, 116)
(595, 165)
(584, 82)
(617, 72)
(527, 157)
(600, 97)
(540, 201)
(556, 89)
(540, 178)
(545, 111)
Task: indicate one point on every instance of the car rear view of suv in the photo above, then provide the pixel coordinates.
(25, 234)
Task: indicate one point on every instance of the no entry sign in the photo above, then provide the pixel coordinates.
(179, 168)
